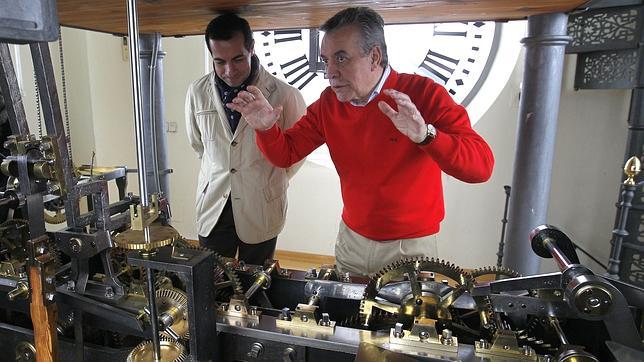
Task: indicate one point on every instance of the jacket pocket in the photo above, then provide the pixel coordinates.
(202, 187)
(276, 188)
(206, 120)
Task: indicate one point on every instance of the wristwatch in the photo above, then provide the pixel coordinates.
(429, 135)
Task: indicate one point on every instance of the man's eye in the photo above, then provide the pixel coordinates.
(341, 59)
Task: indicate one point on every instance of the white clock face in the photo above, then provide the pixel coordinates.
(456, 55)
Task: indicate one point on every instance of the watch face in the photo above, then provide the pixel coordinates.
(456, 55)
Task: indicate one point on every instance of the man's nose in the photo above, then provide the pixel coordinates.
(228, 69)
(331, 70)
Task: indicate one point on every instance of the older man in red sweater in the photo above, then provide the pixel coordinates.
(389, 135)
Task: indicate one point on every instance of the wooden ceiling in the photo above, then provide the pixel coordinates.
(190, 17)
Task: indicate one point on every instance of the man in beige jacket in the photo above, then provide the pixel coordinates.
(241, 197)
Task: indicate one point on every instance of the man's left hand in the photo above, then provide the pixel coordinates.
(407, 119)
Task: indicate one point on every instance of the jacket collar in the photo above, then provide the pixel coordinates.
(264, 81)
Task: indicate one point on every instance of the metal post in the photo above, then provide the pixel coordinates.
(135, 72)
(542, 74)
(504, 223)
(156, 156)
(11, 91)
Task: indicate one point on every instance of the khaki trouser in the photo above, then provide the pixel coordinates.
(356, 254)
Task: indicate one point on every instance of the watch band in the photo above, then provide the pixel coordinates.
(429, 135)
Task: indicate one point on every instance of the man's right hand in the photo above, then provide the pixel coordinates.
(258, 113)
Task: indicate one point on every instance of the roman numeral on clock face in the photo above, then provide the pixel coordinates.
(282, 36)
(438, 66)
(297, 73)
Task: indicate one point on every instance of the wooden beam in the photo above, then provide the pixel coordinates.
(43, 317)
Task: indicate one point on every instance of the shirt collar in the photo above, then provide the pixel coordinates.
(376, 90)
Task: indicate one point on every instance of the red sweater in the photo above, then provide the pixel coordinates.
(391, 187)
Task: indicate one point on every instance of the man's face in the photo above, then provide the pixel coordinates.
(350, 72)
(232, 61)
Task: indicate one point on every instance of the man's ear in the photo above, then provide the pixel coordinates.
(252, 47)
(376, 56)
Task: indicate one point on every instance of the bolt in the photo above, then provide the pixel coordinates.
(253, 310)
(325, 321)
(49, 296)
(447, 337)
(75, 244)
(423, 335)
(347, 277)
(527, 350)
(398, 331)
(482, 343)
(594, 302)
(237, 307)
(109, 292)
(71, 285)
(506, 347)
(304, 318)
(419, 301)
(557, 293)
(286, 314)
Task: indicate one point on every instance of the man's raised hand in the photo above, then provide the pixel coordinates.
(252, 104)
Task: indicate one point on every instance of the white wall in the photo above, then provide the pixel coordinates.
(589, 154)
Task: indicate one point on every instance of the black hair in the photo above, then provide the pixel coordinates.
(225, 26)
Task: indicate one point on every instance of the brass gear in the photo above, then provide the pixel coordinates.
(54, 216)
(483, 303)
(158, 236)
(174, 302)
(171, 351)
(222, 269)
(494, 270)
(417, 304)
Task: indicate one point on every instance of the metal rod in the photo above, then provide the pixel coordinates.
(560, 258)
(504, 223)
(11, 91)
(133, 43)
(620, 232)
(554, 322)
(153, 315)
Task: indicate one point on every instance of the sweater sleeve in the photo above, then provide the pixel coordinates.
(284, 148)
(458, 149)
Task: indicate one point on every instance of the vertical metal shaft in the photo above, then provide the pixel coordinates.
(133, 43)
(151, 58)
(620, 232)
(544, 57)
(504, 223)
(11, 92)
(153, 315)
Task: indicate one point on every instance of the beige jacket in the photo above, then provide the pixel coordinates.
(233, 166)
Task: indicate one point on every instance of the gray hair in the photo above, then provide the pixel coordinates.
(371, 27)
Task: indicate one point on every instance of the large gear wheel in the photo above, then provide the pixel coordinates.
(171, 351)
(488, 318)
(174, 303)
(154, 237)
(227, 283)
(485, 273)
(431, 301)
